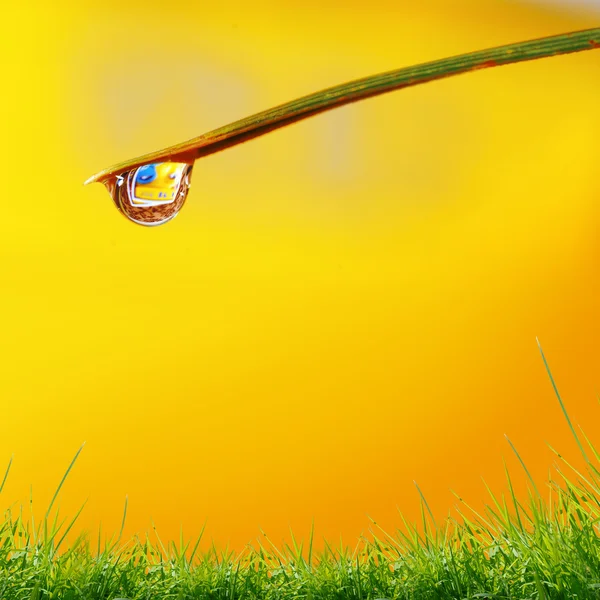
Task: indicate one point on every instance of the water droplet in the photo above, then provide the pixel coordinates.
(151, 194)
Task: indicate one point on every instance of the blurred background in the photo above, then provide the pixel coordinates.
(342, 307)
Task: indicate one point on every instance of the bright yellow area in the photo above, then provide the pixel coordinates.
(162, 188)
(341, 307)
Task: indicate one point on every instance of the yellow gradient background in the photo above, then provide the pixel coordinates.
(342, 307)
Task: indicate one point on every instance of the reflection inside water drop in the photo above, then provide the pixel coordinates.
(151, 194)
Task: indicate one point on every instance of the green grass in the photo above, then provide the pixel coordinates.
(547, 547)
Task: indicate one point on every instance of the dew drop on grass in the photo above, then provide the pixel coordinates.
(151, 194)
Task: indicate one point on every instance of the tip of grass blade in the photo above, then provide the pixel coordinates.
(92, 179)
(6, 473)
(562, 405)
(523, 465)
(62, 481)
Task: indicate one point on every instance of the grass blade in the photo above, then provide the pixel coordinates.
(367, 87)
(562, 405)
(6, 474)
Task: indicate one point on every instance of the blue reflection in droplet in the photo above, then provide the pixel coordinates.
(164, 189)
(146, 174)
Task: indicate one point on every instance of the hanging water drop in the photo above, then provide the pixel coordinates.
(151, 194)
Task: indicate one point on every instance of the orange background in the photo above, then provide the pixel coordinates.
(342, 307)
